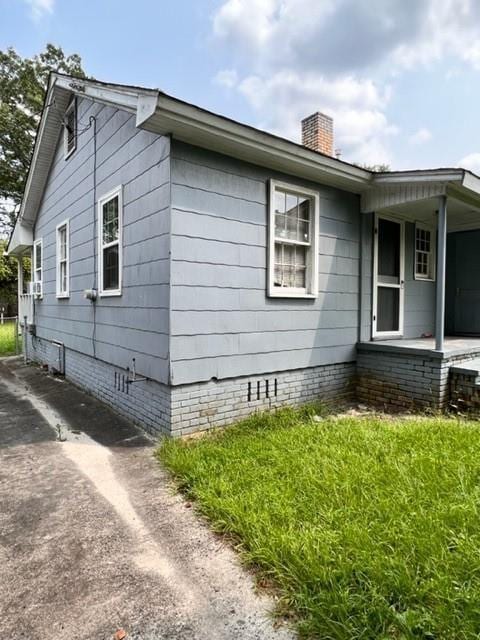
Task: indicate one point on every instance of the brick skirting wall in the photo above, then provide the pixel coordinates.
(401, 379)
(221, 402)
(465, 391)
(183, 409)
(146, 404)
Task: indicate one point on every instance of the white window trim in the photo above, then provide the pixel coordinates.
(108, 196)
(66, 224)
(376, 284)
(433, 253)
(36, 244)
(66, 152)
(311, 290)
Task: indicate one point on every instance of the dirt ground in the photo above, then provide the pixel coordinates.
(93, 537)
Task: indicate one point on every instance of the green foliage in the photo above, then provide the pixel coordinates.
(23, 82)
(7, 339)
(8, 276)
(368, 527)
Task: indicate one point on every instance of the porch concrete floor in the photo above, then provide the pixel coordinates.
(452, 345)
(93, 536)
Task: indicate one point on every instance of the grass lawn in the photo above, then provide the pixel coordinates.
(7, 338)
(369, 527)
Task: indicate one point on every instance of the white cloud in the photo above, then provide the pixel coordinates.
(420, 136)
(471, 162)
(286, 97)
(347, 35)
(299, 56)
(38, 8)
(226, 78)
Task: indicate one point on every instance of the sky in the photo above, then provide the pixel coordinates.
(401, 78)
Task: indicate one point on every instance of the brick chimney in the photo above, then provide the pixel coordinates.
(317, 133)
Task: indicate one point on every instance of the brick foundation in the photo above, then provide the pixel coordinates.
(464, 387)
(221, 402)
(183, 409)
(403, 379)
(146, 404)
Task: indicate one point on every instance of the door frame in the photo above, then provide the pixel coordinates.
(400, 286)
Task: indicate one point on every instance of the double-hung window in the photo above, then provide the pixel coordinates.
(110, 243)
(63, 250)
(70, 129)
(38, 268)
(424, 253)
(293, 241)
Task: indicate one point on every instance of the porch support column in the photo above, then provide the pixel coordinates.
(19, 276)
(441, 270)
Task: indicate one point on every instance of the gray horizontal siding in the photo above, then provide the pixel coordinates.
(419, 295)
(135, 324)
(223, 324)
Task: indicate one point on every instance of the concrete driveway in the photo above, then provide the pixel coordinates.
(92, 536)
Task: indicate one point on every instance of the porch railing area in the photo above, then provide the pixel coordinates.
(25, 307)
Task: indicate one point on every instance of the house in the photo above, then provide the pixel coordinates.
(189, 270)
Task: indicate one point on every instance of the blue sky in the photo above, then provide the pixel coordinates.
(400, 77)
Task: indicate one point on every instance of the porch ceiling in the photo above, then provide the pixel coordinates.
(414, 196)
(461, 216)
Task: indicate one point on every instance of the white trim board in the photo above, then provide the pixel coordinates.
(400, 286)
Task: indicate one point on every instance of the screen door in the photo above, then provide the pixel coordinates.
(388, 277)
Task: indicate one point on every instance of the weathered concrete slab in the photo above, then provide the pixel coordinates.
(92, 537)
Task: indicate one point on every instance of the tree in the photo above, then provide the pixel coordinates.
(23, 83)
(376, 168)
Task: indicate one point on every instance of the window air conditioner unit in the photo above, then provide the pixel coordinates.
(37, 289)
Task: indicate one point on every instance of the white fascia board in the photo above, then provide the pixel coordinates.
(36, 150)
(146, 107)
(471, 182)
(427, 175)
(141, 102)
(203, 128)
(20, 240)
(124, 97)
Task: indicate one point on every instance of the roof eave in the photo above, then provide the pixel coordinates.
(202, 128)
(20, 240)
(142, 102)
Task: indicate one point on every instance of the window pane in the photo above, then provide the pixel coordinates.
(292, 217)
(62, 243)
(388, 251)
(291, 204)
(70, 125)
(110, 221)
(423, 255)
(63, 277)
(280, 225)
(38, 256)
(290, 266)
(303, 231)
(110, 268)
(280, 202)
(388, 305)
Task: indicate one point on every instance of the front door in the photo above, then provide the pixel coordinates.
(463, 268)
(388, 277)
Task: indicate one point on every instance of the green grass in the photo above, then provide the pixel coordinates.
(7, 338)
(368, 527)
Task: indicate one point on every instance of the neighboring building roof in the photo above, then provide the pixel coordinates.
(160, 113)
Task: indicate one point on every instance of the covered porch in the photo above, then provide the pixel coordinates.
(20, 247)
(420, 286)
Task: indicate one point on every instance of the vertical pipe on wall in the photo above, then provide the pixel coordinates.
(441, 262)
